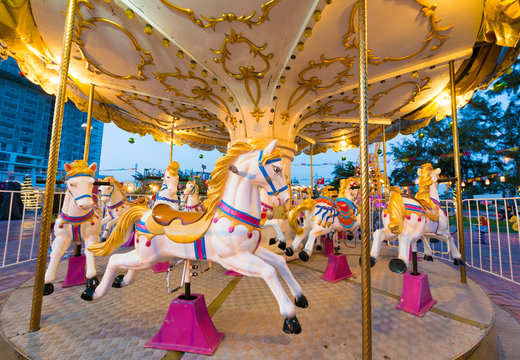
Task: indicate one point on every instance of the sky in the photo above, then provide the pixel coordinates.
(118, 153)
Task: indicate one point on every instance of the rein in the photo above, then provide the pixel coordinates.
(267, 178)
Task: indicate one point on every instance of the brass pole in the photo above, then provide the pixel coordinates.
(366, 311)
(89, 122)
(52, 169)
(312, 180)
(387, 184)
(456, 157)
(171, 141)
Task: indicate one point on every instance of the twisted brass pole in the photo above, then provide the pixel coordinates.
(366, 311)
(89, 122)
(456, 157)
(387, 185)
(52, 169)
(171, 141)
(312, 180)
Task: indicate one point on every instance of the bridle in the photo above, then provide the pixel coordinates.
(267, 178)
(81, 196)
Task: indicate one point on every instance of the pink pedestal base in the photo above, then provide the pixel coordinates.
(337, 269)
(416, 297)
(232, 273)
(130, 241)
(328, 246)
(187, 327)
(75, 271)
(160, 267)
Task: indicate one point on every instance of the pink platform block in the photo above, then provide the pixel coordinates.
(337, 268)
(328, 246)
(161, 267)
(187, 327)
(75, 271)
(232, 273)
(130, 241)
(416, 297)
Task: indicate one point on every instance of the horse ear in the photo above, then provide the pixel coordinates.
(67, 167)
(270, 148)
(419, 171)
(93, 167)
(438, 171)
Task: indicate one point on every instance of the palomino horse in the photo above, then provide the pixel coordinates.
(227, 232)
(191, 197)
(168, 193)
(114, 199)
(79, 220)
(410, 219)
(323, 216)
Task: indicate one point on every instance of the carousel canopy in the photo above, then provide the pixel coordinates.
(218, 71)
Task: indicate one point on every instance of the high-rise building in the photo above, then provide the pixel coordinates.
(26, 113)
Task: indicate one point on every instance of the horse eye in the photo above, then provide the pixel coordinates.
(276, 169)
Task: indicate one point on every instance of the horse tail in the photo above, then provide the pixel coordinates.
(120, 233)
(295, 212)
(396, 210)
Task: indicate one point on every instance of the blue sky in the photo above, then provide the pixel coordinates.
(117, 152)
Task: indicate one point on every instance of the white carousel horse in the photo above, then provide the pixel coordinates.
(410, 219)
(323, 216)
(115, 202)
(227, 232)
(78, 221)
(168, 193)
(191, 197)
(269, 221)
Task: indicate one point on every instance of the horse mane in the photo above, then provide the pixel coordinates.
(425, 181)
(219, 175)
(79, 167)
(173, 168)
(116, 183)
(344, 184)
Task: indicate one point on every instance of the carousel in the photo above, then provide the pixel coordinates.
(260, 81)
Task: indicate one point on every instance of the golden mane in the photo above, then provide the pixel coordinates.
(195, 186)
(344, 184)
(79, 167)
(425, 181)
(173, 167)
(116, 183)
(219, 175)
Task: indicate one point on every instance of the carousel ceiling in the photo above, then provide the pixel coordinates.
(217, 71)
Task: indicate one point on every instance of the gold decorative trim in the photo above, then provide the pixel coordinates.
(246, 73)
(313, 83)
(211, 22)
(200, 92)
(434, 32)
(81, 25)
(418, 89)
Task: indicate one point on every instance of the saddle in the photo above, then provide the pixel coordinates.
(430, 211)
(180, 226)
(347, 212)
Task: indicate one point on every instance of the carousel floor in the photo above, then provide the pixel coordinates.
(118, 325)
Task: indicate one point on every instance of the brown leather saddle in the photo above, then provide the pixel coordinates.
(164, 215)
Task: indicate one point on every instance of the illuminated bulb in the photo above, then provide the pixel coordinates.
(444, 100)
(486, 182)
(474, 183)
(502, 178)
(463, 184)
(416, 182)
(54, 79)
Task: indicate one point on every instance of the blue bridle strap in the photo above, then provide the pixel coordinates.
(267, 177)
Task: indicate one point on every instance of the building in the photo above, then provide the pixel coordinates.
(26, 113)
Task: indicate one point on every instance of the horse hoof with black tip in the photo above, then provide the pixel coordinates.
(301, 302)
(318, 247)
(281, 245)
(458, 262)
(303, 256)
(289, 251)
(118, 282)
(428, 258)
(292, 326)
(397, 266)
(93, 282)
(48, 289)
(373, 261)
(88, 293)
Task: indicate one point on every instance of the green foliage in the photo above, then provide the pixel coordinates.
(342, 171)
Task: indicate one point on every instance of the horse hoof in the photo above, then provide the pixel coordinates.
(272, 241)
(434, 240)
(458, 262)
(93, 282)
(292, 326)
(428, 258)
(303, 256)
(88, 294)
(281, 245)
(118, 281)
(48, 289)
(301, 302)
(397, 266)
(373, 261)
(350, 237)
(318, 247)
(289, 251)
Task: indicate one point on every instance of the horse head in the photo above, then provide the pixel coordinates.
(191, 188)
(349, 188)
(80, 181)
(106, 191)
(171, 178)
(428, 176)
(270, 174)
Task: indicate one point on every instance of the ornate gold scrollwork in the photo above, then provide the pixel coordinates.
(435, 32)
(246, 73)
(212, 21)
(305, 85)
(200, 93)
(81, 25)
(418, 89)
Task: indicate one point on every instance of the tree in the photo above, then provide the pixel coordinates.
(342, 171)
